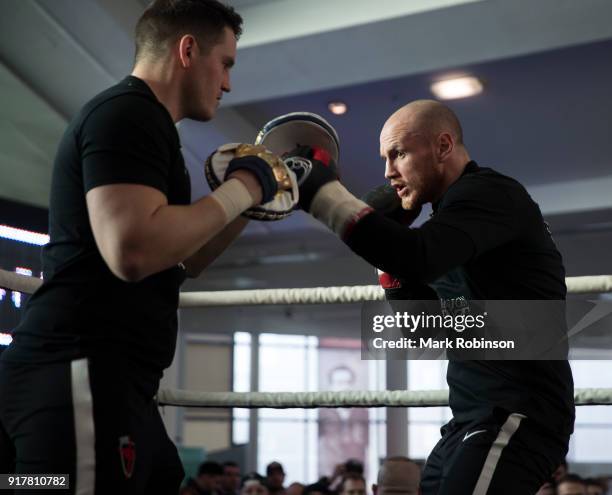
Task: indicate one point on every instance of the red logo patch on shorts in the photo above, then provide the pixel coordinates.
(127, 453)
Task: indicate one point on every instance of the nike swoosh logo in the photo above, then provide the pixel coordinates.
(468, 435)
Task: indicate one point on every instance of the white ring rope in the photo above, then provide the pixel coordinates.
(318, 295)
(385, 398)
(18, 282)
(315, 295)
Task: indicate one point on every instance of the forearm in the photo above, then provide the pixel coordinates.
(138, 233)
(210, 251)
(137, 240)
(416, 255)
(389, 247)
(171, 234)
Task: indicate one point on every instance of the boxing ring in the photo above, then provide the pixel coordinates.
(318, 295)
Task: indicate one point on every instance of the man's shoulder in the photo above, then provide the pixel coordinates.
(122, 101)
(488, 176)
(486, 184)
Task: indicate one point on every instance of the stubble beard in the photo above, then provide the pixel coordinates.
(423, 188)
(415, 198)
(192, 101)
(410, 202)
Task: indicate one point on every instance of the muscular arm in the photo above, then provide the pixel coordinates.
(129, 156)
(473, 219)
(420, 254)
(139, 234)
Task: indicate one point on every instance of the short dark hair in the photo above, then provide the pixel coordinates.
(274, 466)
(319, 487)
(353, 466)
(165, 21)
(211, 468)
(230, 464)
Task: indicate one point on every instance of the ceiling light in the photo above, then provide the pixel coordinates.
(459, 87)
(337, 107)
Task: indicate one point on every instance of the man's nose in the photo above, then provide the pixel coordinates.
(226, 86)
(390, 171)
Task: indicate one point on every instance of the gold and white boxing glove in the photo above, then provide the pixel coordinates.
(279, 184)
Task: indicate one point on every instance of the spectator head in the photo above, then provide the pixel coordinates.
(275, 476)
(353, 466)
(209, 476)
(341, 378)
(352, 484)
(295, 488)
(253, 484)
(594, 487)
(321, 487)
(571, 484)
(230, 481)
(397, 476)
(547, 489)
(560, 472)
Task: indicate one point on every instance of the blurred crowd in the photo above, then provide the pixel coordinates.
(396, 475)
(566, 483)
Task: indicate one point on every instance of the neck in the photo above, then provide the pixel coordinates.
(453, 168)
(163, 80)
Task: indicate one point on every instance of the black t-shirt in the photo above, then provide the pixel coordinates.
(486, 240)
(123, 135)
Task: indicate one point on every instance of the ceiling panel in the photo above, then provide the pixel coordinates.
(29, 134)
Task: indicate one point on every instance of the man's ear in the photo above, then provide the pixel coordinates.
(444, 146)
(187, 47)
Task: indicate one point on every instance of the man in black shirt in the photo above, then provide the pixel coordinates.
(486, 239)
(78, 381)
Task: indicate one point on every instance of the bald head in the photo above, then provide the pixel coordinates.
(398, 476)
(428, 117)
(422, 145)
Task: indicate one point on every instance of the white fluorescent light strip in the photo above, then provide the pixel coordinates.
(23, 271)
(5, 339)
(460, 87)
(13, 234)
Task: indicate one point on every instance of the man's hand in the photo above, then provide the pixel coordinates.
(251, 182)
(313, 168)
(384, 199)
(267, 168)
(321, 193)
(339, 471)
(263, 175)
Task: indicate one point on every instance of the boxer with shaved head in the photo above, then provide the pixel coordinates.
(485, 240)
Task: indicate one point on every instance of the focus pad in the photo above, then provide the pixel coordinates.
(286, 132)
(280, 207)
